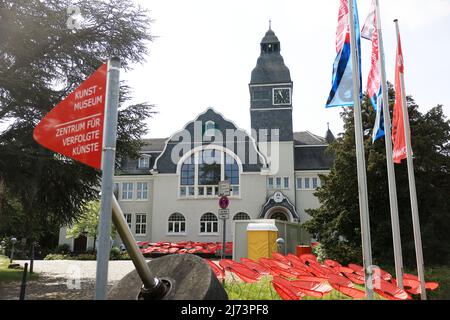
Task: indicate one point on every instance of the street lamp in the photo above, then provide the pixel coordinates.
(13, 241)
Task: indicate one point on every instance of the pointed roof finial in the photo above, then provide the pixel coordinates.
(328, 125)
(270, 24)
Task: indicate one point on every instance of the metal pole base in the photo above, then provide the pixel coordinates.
(181, 277)
(162, 289)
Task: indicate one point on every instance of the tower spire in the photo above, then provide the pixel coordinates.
(270, 24)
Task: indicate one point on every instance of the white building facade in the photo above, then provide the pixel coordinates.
(171, 192)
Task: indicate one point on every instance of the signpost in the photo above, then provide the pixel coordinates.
(76, 128)
(224, 213)
(224, 188)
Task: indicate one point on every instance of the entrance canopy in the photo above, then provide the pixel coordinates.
(279, 207)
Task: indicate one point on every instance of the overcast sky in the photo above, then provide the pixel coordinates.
(206, 50)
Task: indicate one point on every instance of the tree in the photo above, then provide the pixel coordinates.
(41, 61)
(87, 223)
(336, 224)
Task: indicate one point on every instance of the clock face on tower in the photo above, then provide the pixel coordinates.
(281, 96)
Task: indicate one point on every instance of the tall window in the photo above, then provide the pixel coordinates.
(127, 190)
(209, 223)
(314, 183)
(232, 174)
(187, 177)
(141, 224)
(144, 162)
(177, 223)
(241, 216)
(307, 183)
(142, 190)
(209, 170)
(116, 189)
(286, 183)
(201, 173)
(299, 183)
(270, 183)
(278, 180)
(127, 217)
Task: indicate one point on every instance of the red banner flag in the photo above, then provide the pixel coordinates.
(74, 127)
(343, 28)
(398, 126)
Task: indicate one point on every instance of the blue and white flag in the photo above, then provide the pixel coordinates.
(378, 129)
(341, 93)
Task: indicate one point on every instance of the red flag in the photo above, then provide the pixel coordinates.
(343, 28)
(370, 32)
(398, 126)
(74, 127)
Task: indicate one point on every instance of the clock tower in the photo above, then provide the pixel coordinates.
(271, 92)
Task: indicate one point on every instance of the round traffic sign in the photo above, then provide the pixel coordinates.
(224, 202)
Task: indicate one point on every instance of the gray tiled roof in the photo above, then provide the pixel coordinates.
(309, 154)
(313, 158)
(153, 145)
(308, 138)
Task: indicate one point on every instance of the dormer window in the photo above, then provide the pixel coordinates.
(144, 162)
(210, 128)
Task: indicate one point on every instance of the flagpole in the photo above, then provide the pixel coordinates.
(389, 159)
(360, 160)
(412, 183)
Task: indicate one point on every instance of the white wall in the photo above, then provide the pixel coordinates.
(305, 198)
(135, 206)
(166, 202)
(280, 165)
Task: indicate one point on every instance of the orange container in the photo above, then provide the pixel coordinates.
(303, 249)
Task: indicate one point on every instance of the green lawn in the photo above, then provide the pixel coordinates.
(7, 275)
(439, 274)
(263, 290)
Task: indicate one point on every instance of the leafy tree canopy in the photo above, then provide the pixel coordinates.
(41, 62)
(87, 222)
(336, 224)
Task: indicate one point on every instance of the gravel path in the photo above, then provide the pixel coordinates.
(64, 279)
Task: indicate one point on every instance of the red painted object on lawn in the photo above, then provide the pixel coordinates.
(348, 291)
(285, 289)
(249, 263)
(244, 273)
(220, 274)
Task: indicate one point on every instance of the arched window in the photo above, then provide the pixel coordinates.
(241, 216)
(279, 216)
(177, 223)
(201, 173)
(187, 177)
(209, 223)
(209, 167)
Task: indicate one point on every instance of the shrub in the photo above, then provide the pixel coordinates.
(63, 249)
(55, 256)
(318, 251)
(115, 254)
(124, 256)
(84, 256)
